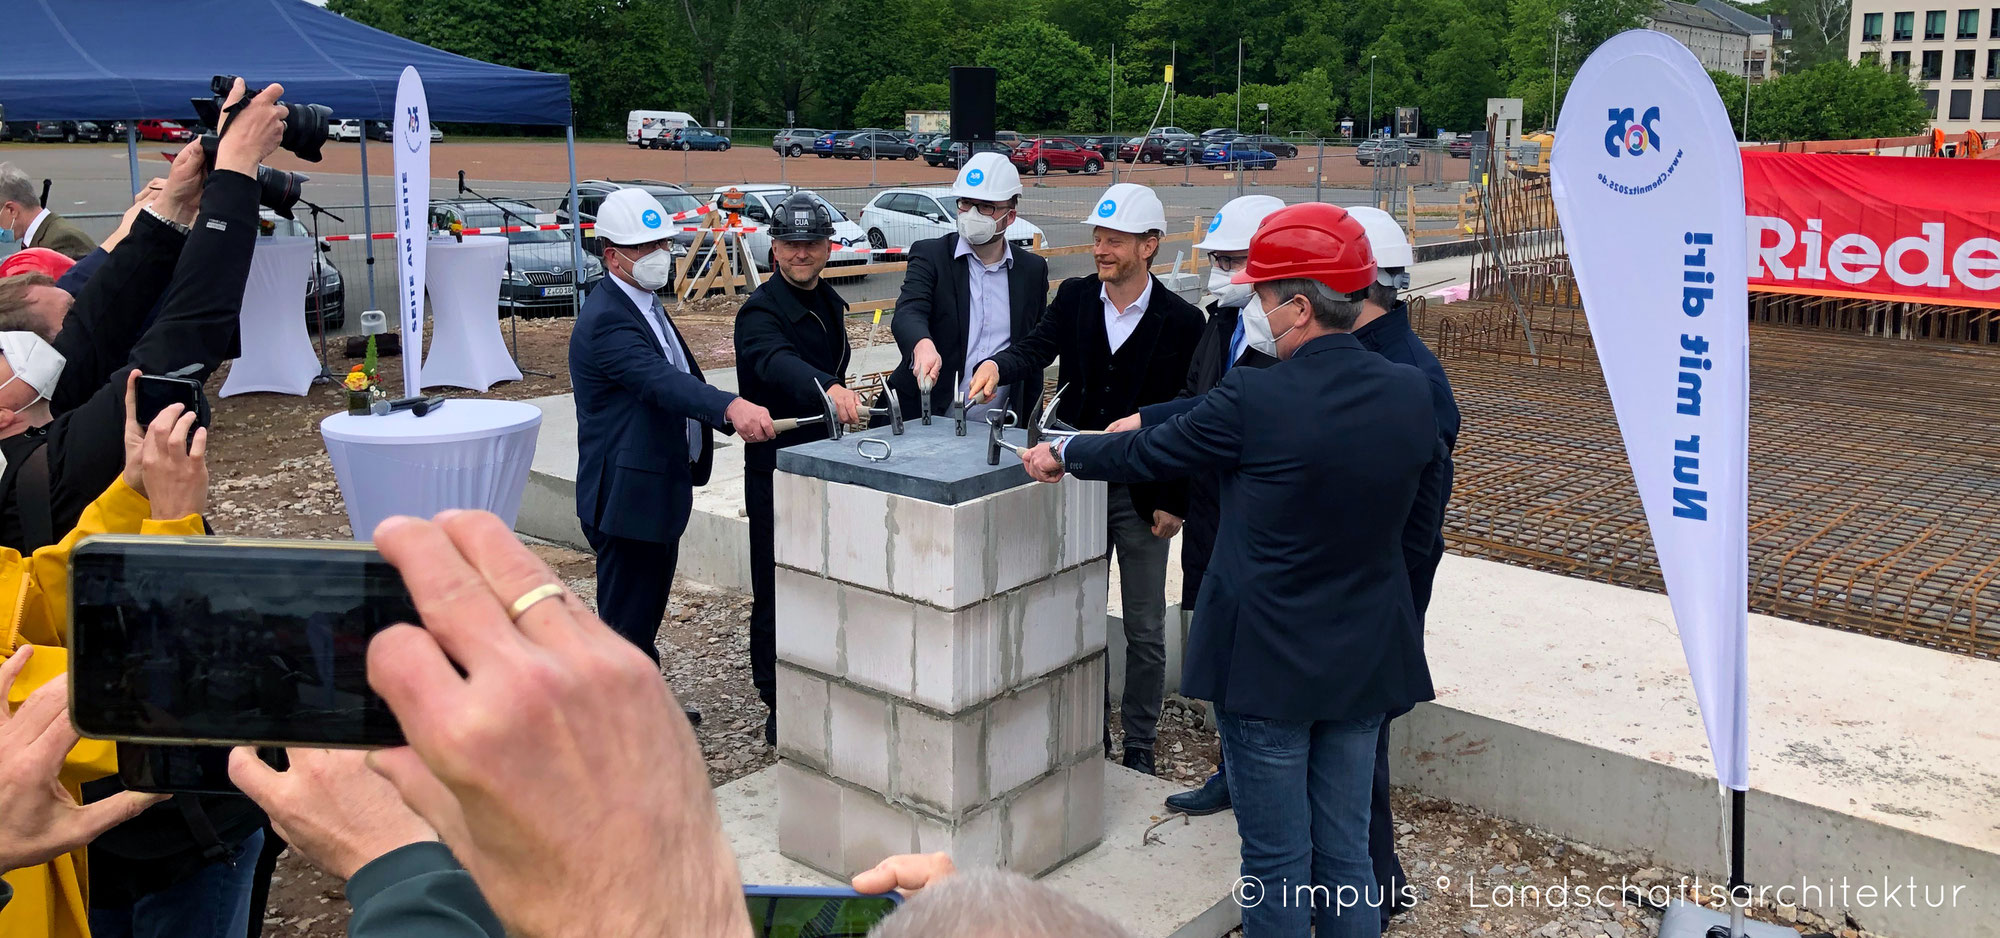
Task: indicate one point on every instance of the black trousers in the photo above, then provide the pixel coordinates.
(633, 580)
(1382, 827)
(758, 502)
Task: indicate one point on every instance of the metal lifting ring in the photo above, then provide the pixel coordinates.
(862, 448)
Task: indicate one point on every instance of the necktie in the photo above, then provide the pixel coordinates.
(673, 350)
(1235, 344)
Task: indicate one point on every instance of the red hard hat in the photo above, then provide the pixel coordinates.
(37, 261)
(1312, 241)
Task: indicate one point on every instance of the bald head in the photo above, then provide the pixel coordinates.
(994, 904)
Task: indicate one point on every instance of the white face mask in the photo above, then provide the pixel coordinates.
(34, 362)
(1257, 327)
(653, 271)
(977, 228)
(1226, 293)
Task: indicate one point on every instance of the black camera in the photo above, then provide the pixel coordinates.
(305, 133)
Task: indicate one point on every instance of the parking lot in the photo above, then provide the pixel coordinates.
(91, 185)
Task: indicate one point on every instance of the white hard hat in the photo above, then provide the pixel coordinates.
(1129, 207)
(988, 177)
(1387, 242)
(1237, 221)
(632, 216)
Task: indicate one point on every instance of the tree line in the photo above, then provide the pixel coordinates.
(855, 63)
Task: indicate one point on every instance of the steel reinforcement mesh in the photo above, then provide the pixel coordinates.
(1874, 470)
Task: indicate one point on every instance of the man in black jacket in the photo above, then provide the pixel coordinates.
(968, 295)
(1125, 342)
(1306, 636)
(791, 341)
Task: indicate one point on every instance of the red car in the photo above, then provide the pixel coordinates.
(1041, 154)
(170, 131)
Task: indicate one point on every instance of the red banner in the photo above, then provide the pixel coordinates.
(1894, 228)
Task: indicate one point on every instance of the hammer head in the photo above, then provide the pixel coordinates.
(994, 424)
(1036, 419)
(834, 428)
(958, 411)
(924, 392)
(895, 412)
(1048, 413)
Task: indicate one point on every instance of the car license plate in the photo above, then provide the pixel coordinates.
(558, 291)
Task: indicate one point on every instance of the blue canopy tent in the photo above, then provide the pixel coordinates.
(130, 59)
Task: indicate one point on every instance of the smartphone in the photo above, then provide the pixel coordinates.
(230, 641)
(194, 770)
(815, 911)
(155, 392)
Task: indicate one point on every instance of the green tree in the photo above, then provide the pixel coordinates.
(1549, 39)
(1043, 74)
(1831, 101)
(885, 101)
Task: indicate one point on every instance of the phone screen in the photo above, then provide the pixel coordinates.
(198, 770)
(225, 641)
(154, 393)
(804, 912)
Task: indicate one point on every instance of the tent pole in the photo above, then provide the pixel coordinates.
(367, 216)
(132, 153)
(576, 221)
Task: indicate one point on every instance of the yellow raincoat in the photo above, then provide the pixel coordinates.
(51, 899)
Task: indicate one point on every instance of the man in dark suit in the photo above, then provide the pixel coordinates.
(790, 343)
(1125, 342)
(644, 418)
(23, 219)
(1306, 635)
(967, 296)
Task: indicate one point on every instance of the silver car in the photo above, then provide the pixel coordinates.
(545, 276)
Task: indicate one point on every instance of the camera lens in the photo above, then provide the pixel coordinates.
(279, 190)
(305, 130)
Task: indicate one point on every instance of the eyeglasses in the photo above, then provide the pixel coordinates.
(988, 209)
(1228, 263)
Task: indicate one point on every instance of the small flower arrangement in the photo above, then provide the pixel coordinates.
(364, 382)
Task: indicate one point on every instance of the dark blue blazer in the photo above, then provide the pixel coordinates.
(1423, 538)
(633, 476)
(1305, 613)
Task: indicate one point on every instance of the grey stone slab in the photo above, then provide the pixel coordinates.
(931, 463)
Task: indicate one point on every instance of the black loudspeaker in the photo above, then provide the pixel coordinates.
(972, 102)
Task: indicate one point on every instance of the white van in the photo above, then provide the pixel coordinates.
(641, 126)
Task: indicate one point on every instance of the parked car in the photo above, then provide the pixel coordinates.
(677, 201)
(169, 131)
(1106, 146)
(380, 130)
(823, 144)
(760, 200)
(873, 145)
(793, 141)
(545, 276)
(1460, 147)
(1387, 152)
(1007, 138)
(898, 218)
(923, 138)
(688, 138)
(1039, 155)
(1168, 132)
(332, 300)
(1157, 149)
(349, 129)
(1275, 146)
(34, 131)
(950, 154)
(1240, 151)
(1223, 133)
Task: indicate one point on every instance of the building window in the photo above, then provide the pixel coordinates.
(1899, 62)
(1968, 24)
(1930, 103)
(1871, 27)
(1961, 64)
(1961, 105)
(1993, 63)
(1905, 22)
(1933, 25)
(1875, 58)
(1990, 110)
(1993, 25)
(1933, 65)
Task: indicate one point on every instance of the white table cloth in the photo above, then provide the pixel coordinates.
(463, 281)
(466, 454)
(278, 355)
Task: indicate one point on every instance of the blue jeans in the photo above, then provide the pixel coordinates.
(1301, 792)
(213, 903)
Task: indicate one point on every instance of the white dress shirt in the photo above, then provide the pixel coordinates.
(655, 314)
(33, 227)
(989, 324)
(1119, 323)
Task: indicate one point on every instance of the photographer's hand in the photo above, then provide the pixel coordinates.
(603, 823)
(39, 821)
(174, 471)
(330, 806)
(147, 193)
(254, 133)
(179, 198)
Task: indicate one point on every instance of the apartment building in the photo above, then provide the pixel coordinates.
(1953, 53)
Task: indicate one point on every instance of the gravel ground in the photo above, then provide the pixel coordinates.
(272, 478)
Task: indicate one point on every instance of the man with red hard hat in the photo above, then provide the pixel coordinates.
(1305, 635)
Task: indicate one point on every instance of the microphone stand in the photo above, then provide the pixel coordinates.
(514, 315)
(319, 298)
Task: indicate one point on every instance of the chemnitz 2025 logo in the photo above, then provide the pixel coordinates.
(416, 136)
(1635, 136)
